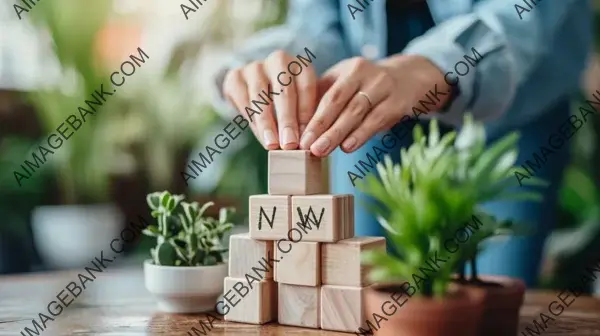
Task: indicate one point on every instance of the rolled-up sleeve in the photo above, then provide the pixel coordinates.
(311, 24)
(508, 47)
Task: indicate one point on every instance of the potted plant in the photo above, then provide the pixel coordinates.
(422, 202)
(81, 161)
(187, 268)
(490, 173)
(502, 296)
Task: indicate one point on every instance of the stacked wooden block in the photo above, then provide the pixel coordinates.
(317, 280)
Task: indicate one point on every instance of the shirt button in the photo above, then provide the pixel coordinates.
(369, 51)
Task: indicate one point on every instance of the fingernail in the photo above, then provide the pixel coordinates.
(307, 140)
(349, 144)
(322, 145)
(269, 137)
(288, 136)
(302, 128)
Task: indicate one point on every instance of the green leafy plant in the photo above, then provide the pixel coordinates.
(436, 188)
(184, 236)
(489, 171)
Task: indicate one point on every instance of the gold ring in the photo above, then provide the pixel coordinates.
(368, 99)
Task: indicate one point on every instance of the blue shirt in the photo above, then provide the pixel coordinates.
(532, 58)
(406, 22)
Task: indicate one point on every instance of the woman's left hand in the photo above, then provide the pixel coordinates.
(363, 98)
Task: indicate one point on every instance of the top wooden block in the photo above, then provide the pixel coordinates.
(294, 172)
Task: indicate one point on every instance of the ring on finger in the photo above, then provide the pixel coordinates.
(364, 94)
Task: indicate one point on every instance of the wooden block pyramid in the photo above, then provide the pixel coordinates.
(317, 280)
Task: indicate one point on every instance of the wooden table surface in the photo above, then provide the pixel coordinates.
(117, 304)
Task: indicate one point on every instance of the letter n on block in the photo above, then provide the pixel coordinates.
(270, 217)
(323, 218)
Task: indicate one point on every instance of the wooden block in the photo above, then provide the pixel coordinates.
(270, 216)
(348, 219)
(294, 172)
(246, 253)
(323, 218)
(299, 305)
(299, 263)
(341, 261)
(342, 308)
(249, 303)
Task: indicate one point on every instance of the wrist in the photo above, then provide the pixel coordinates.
(424, 77)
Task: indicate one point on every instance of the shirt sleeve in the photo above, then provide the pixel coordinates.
(506, 44)
(312, 24)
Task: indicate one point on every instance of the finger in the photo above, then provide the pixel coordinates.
(350, 118)
(306, 85)
(373, 94)
(329, 108)
(376, 121)
(285, 98)
(259, 109)
(323, 85)
(235, 91)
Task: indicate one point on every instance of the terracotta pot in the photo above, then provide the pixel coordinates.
(502, 303)
(459, 313)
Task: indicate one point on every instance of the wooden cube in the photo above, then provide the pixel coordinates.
(246, 257)
(254, 302)
(348, 216)
(342, 308)
(294, 172)
(323, 218)
(299, 305)
(341, 261)
(299, 263)
(270, 216)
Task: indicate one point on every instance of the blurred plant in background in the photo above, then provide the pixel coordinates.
(574, 244)
(141, 130)
(14, 202)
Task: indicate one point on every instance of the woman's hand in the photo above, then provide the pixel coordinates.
(391, 88)
(287, 85)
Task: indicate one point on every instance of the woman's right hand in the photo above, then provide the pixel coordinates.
(277, 96)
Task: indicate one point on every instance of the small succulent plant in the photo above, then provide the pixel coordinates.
(183, 236)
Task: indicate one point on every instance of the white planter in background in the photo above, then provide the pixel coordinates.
(180, 289)
(71, 236)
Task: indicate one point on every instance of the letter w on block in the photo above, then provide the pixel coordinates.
(305, 223)
(264, 214)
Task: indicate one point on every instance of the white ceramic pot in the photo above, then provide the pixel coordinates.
(69, 236)
(180, 289)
